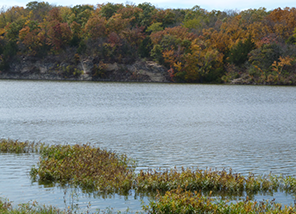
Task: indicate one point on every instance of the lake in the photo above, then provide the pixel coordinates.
(246, 128)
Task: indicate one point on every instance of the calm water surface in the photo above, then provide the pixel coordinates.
(246, 128)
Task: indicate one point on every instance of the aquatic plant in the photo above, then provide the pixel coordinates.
(85, 166)
(105, 171)
(29, 208)
(15, 146)
(209, 180)
(182, 201)
(5, 205)
(289, 184)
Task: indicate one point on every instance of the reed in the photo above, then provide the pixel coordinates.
(7, 207)
(289, 184)
(181, 201)
(207, 180)
(15, 146)
(105, 171)
(29, 208)
(85, 166)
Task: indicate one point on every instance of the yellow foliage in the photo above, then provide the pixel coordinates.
(178, 66)
(286, 60)
(66, 12)
(258, 30)
(2, 32)
(23, 32)
(278, 66)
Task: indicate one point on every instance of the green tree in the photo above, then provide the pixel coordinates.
(145, 18)
(11, 15)
(109, 9)
(38, 10)
(238, 54)
(81, 14)
(12, 31)
(145, 47)
(157, 26)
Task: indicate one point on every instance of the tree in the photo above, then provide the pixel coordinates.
(265, 56)
(166, 17)
(59, 35)
(54, 15)
(196, 65)
(38, 10)
(238, 54)
(116, 23)
(109, 9)
(145, 47)
(81, 14)
(11, 15)
(148, 10)
(31, 38)
(12, 29)
(133, 36)
(96, 27)
(157, 26)
(132, 13)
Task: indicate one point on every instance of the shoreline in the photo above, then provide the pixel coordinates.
(87, 70)
(89, 78)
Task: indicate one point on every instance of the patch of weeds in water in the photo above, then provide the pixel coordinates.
(289, 184)
(110, 210)
(7, 207)
(29, 208)
(179, 191)
(15, 146)
(209, 180)
(86, 167)
(183, 201)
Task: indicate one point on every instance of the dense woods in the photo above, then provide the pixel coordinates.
(195, 45)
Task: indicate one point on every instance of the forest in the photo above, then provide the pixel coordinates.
(253, 46)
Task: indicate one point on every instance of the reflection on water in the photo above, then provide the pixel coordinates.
(17, 187)
(246, 128)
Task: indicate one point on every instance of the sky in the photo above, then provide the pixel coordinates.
(205, 4)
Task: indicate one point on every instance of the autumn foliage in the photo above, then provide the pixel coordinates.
(195, 45)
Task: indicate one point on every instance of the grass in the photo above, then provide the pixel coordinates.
(182, 191)
(85, 166)
(6, 207)
(11, 146)
(212, 180)
(29, 208)
(182, 201)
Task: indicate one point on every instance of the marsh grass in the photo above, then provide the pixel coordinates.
(7, 207)
(86, 167)
(182, 201)
(208, 180)
(179, 190)
(15, 146)
(29, 208)
(108, 172)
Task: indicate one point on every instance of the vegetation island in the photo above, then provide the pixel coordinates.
(117, 42)
(183, 191)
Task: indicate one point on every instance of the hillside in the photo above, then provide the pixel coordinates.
(116, 42)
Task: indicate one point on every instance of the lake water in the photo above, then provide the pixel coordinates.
(246, 128)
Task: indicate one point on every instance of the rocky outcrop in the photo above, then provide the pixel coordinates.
(86, 70)
(154, 71)
(143, 71)
(243, 80)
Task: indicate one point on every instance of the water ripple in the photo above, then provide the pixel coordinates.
(246, 128)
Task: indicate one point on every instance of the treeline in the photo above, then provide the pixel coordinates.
(196, 45)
